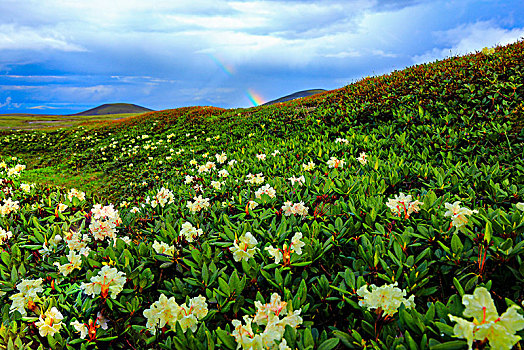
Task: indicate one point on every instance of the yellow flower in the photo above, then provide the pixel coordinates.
(486, 323)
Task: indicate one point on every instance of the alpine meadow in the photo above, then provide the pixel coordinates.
(388, 214)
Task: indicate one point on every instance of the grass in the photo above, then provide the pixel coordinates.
(35, 121)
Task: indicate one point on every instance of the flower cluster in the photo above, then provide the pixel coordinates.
(267, 315)
(309, 166)
(223, 173)
(190, 232)
(90, 327)
(386, 298)
(163, 248)
(221, 158)
(285, 253)
(300, 180)
(163, 197)
(167, 312)
(402, 205)
(458, 214)
(74, 193)
(108, 280)
(487, 324)
(4, 235)
(77, 241)
(261, 156)
(16, 170)
(255, 179)
(363, 158)
(290, 208)
(198, 204)
(27, 295)
(50, 322)
(74, 262)
(104, 222)
(8, 207)
(333, 162)
(244, 247)
(267, 190)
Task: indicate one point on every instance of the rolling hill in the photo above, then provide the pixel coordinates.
(115, 108)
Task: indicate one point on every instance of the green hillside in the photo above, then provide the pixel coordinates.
(388, 214)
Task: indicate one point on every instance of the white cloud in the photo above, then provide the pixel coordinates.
(468, 38)
(26, 38)
(9, 104)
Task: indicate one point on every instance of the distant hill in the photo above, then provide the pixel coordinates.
(296, 95)
(115, 108)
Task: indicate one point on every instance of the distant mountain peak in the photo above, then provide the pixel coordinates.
(299, 94)
(115, 108)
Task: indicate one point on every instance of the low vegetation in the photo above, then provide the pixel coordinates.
(388, 214)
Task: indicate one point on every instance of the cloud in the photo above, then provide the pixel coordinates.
(9, 104)
(43, 107)
(468, 38)
(26, 38)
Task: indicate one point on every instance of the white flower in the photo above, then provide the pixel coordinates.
(403, 206)
(362, 158)
(223, 173)
(333, 162)
(290, 208)
(108, 280)
(267, 189)
(221, 158)
(308, 166)
(244, 247)
(50, 322)
(76, 193)
(255, 179)
(296, 243)
(341, 140)
(4, 236)
(163, 248)
(216, 185)
(190, 232)
(198, 204)
(387, 297)
(458, 214)
(300, 180)
(80, 327)
(261, 156)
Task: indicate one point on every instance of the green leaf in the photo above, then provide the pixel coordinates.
(450, 345)
(488, 232)
(456, 244)
(226, 339)
(329, 344)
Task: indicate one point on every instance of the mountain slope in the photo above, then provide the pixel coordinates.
(299, 94)
(115, 108)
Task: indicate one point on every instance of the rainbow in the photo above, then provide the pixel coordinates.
(229, 70)
(225, 67)
(254, 97)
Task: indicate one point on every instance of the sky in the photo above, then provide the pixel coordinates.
(66, 56)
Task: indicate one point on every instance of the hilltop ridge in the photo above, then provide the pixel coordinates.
(115, 108)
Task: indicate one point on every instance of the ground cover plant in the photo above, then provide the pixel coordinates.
(388, 214)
